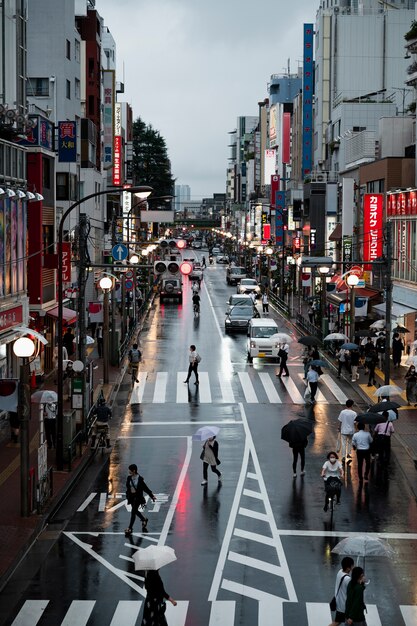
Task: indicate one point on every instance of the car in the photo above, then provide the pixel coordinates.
(242, 299)
(197, 245)
(248, 285)
(222, 258)
(261, 340)
(196, 272)
(238, 318)
(235, 274)
(215, 251)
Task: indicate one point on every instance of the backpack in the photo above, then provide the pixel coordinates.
(134, 356)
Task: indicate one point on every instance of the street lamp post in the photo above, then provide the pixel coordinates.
(24, 348)
(60, 370)
(323, 271)
(352, 281)
(106, 285)
(268, 252)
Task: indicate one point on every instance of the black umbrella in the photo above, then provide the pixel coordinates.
(309, 341)
(384, 406)
(296, 431)
(370, 418)
(400, 329)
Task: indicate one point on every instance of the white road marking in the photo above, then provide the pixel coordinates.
(334, 388)
(103, 501)
(226, 388)
(176, 615)
(319, 395)
(372, 615)
(291, 387)
(30, 613)
(182, 388)
(126, 613)
(270, 607)
(409, 614)
(222, 613)
(246, 534)
(269, 387)
(252, 494)
(247, 387)
(78, 613)
(138, 390)
(182, 423)
(160, 388)
(319, 613)
(86, 502)
(248, 561)
(204, 392)
(254, 514)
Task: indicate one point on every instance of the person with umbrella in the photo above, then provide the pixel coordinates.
(355, 606)
(210, 456)
(371, 359)
(156, 596)
(354, 364)
(341, 584)
(382, 439)
(135, 486)
(283, 351)
(411, 386)
(361, 442)
(397, 349)
(296, 433)
(332, 472)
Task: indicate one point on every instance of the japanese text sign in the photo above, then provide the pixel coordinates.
(373, 205)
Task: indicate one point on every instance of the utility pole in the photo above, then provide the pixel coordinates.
(84, 260)
(388, 300)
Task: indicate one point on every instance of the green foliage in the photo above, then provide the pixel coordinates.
(412, 33)
(151, 165)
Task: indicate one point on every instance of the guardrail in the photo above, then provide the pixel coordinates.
(141, 314)
(44, 489)
(280, 304)
(310, 328)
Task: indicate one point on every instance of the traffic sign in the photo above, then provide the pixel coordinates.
(119, 252)
(129, 274)
(129, 285)
(361, 283)
(357, 270)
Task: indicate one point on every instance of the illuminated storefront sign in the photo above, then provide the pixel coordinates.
(373, 205)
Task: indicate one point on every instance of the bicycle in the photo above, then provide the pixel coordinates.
(332, 487)
(196, 308)
(100, 438)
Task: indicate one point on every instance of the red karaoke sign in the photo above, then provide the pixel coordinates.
(373, 207)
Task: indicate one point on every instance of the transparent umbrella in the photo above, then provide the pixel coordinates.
(336, 337)
(44, 396)
(282, 338)
(364, 546)
(388, 390)
(205, 432)
(153, 557)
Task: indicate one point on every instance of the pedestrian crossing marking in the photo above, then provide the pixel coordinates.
(31, 612)
(372, 616)
(222, 613)
(160, 387)
(249, 561)
(319, 612)
(409, 614)
(176, 615)
(334, 388)
(204, 387)
(319, 395)
(138, 389)
(247, 387)
(252, 494)
(226, 388)
(290, 386)
(127, 613)
(182, 388)
(78, 613)
(246, 534)
(269, 387)
(253, 514)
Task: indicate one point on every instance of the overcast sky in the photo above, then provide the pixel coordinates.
(191, 67)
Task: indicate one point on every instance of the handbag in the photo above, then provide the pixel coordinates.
(332, 603)
(307, 393)
(202, 455)
(282, 353)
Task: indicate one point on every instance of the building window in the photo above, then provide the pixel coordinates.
(77, 88)
(77, 50)
(69, 90)
(66, 186)
(68, 49)
(38, 86)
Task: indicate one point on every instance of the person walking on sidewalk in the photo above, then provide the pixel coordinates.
(210, 456)
(283, 356)
(343, 360)
(99, 337)
(397, 349)
(50, 424)
(311, 314)
(135, 486)
(340, 589)
(354, 364)
(370, 363)
(265, 303)
(68, 341)
(361, 442)
(194, 359)
(347, 429)
(382, 439)
(313, 382)
(411, 387)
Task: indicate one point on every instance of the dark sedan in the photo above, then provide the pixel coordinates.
(238, 318)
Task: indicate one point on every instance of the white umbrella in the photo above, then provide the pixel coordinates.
(282, 338)
(378, 324)
(44, 396)
(205, 432)
(88, 340)
(364, 545)
(388, 390)
(336, 337)
(153, 557)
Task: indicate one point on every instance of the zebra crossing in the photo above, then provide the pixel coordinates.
(226, 388)
(222, 613)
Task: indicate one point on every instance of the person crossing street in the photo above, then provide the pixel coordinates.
(194, 359)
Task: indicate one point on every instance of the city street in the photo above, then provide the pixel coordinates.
(253, 549)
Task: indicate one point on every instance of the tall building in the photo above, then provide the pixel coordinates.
(182, 194)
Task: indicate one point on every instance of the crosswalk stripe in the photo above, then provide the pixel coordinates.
(160, 388)
(182, 389)
(249, 561)
(334, 388)
(226, 388)
(290, 386)
(204, 387)
(138, 389)
(372, 615)
(269, 387)
(318, 613)
(253, 514)
(78, 613)
(222, 613)
(247, 387)
(30, 613)
(319, 395)
(126, 613)
(177, 615)
(271, 612)
(252, 494)
(409, 614)
(249, 536)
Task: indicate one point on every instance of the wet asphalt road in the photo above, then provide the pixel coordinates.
(254, 549)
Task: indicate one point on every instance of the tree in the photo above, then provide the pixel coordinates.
(151, 165)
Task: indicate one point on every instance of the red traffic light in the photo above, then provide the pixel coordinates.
(186, 268)
(181, 244)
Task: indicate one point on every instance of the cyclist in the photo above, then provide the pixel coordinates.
(103, 415)
(211, 259)
(134, 356)
(196, 303)
(196, 286)
(332, 472)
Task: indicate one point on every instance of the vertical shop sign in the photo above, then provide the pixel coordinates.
(373, 204)
(308, 89)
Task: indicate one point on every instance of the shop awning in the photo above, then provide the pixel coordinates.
(397, 310)
(360, 292)
(336, 235)
(69, 316)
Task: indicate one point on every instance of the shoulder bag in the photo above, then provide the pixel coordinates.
(332, 603)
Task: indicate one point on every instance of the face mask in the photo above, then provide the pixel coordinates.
(332, 460)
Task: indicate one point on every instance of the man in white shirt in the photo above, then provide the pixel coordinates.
(347, 428)
(340, 589)
(194, 359)
(361, 441)
(313, 381)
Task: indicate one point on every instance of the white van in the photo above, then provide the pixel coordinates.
(260, 339)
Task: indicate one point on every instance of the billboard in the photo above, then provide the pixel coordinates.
(269, 169)
(157, 216)
(373, 207)
(308, 90)
(273, 135)
(286, 138)
(109, 91)
(117, 161)
(279, 218)
(67, 142)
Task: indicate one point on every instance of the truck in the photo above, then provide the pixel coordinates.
(168, 273)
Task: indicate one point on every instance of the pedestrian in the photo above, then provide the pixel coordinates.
(265, 303)
(283, 357)
(14, 426)
(340, 589)
(382, 439)
(194, 359)
(311, 314)
(354, 364)
(307, 358)
(135, 486)
(342, 356)
(397, 349)
(68, 341)
(134, 357)
(332, 472)
(380, 348)
(210, 456)
(298, 450)
(347, 428)
(50, 424)
(367, 346)
(99, 337)
(312, 381)
(103, 415)
(355, 606)
(154, 607)
(411, 387)
(361, 442)
(371, 359)
(253, 297)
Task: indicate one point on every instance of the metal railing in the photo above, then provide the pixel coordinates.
(280, 304)
(45, 489)
(310, 328)
(141, 314)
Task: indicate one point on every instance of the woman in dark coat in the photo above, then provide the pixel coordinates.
(355, 606)
(411, 388)
(154, 610)
(135, 486)
(397, 349)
